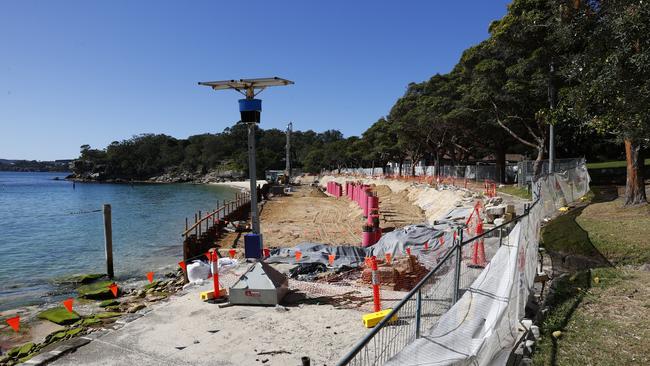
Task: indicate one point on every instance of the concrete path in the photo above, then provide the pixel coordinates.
(187, 331)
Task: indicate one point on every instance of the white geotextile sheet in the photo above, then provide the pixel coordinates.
(484, 322)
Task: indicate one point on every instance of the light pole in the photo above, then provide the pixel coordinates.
(250, 110)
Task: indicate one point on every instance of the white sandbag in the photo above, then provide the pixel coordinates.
(198, 270)
(226, 263)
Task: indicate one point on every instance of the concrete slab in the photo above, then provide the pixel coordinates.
(187, 331)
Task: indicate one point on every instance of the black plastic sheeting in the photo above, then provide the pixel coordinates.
(346, 255)
(315, 257)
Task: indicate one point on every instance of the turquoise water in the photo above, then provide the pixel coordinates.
(47, 230)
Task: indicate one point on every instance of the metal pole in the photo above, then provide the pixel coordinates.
(418, 313)
(253, 178)
(459, 240)
(108, 240)
(288, 158)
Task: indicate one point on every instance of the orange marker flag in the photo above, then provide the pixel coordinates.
(113, 288)
(331, 258)
(68, 304)
(298, 255)
(231, 253)
(388, 257)
(209, 255)
(150, 276)
(183, 265)
(14, 322)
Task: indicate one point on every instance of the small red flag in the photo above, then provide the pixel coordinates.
(231, 252)
(113, 288)
(14, 322)
(209, 255)
(68, 304)
(150, 276)
(182, 265)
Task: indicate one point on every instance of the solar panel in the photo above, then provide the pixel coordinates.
(246, 83)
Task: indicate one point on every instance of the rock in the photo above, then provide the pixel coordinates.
(83, 279)
(152, 285)
(106, 315)
(645, 267)
(59, 315)
(107, 303)
(557, 334)
(135, 307)
(141, 293)
(154, 297)
(25, 349)
(96, 291)
(496, 210)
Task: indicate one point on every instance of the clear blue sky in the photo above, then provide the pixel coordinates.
(91, 72)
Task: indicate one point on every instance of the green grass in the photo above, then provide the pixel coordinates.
(602, 312)
(611, 164)
(516, 191)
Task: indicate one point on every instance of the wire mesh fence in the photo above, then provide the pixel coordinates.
(468, 307)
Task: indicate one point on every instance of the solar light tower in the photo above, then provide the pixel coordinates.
(250, 110)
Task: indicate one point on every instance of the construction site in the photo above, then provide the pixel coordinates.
(331, 258)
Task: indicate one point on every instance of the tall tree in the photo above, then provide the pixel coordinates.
(612, 75)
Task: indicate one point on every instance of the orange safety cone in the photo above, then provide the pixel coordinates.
(150, 277)
(231, 253)
(298, 255)
(388, 257)
(330, 259)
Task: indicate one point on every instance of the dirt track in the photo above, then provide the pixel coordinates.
(310, 215)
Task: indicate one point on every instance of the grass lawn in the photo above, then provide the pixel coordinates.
(516, 191)
(611, 164)
(603, 313)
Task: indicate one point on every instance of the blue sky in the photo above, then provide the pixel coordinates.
(91, 72)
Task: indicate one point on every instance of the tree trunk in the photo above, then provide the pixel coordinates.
(413, 169)
(436, 165)
(537, 165)
(501, 163)
(635, 185)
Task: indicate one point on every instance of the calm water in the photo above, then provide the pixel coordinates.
(46, 231)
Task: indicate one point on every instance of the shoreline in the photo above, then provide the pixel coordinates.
(243, 185)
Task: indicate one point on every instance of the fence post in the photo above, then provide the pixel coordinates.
(459, 258)
(500, 236)
(108, 240)
(418, 313)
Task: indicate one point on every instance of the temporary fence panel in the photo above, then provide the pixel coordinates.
(526, 172)
(475, 313)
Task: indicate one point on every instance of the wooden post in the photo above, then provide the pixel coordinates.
(108, 240)
(195, 220)
(186, 224)
(199, 223)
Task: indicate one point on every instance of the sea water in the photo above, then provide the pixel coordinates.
(50, 229)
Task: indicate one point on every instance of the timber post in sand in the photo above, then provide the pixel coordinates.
(108, 240)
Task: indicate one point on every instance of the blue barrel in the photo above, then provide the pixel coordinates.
(253, 246)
